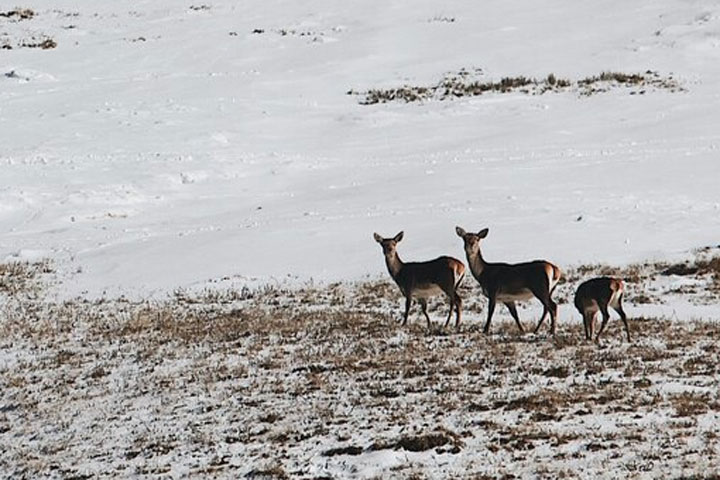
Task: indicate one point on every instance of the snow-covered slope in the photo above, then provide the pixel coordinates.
(163, 144)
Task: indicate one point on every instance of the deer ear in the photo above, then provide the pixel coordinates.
(483, 233)
(460, 232)
(377, 238)
(399, 236)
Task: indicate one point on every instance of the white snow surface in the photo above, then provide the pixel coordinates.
(163, 144)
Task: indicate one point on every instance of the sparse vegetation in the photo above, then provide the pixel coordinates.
(39, 40)
(311, 35)
(350, 450)
(422, 442)
(273, 473)
(442, 19)
(44, 43)
(23, 277)
(323, 376)
(642, 82)
(18, 14)
(462, 84)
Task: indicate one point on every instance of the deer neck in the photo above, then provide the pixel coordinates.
(394, 265)
(477, 263)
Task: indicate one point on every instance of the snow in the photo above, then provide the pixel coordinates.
(162, 146)
(164, 150)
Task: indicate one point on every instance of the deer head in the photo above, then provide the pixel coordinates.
(471, 240)
(388, 244)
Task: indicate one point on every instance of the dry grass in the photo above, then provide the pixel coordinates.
(42, 42)
(642, 82)
(19, 14)
(323, 376)
(23, 277)
(450, 441)
(274, 472)
(464, 84)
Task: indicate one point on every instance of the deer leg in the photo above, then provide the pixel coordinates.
(621, 312)
(543, 295)
(542, 319)
(553, 314)
(548, 307)
(605, 318)
(452, 304)
(408, 301)
(586, 324)
(513, 311)
(458, 310)
(423, 306)
(491, 309)
(591, 322)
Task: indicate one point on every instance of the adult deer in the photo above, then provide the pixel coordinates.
(508, 283)
(597, 294)
(422, 280)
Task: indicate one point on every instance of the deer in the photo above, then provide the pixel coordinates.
(597, 294)
(508, 282)
(422, 280)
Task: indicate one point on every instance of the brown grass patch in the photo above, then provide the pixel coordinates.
(19, 14)
(43, 43)
(423, 442)
(461, 84)
(349, 450)
(23, 277)
(690, 404)
(274, 472)
(546, 401)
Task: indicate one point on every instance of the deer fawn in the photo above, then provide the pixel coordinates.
(511, 282)
(596, 294)
(424, 279)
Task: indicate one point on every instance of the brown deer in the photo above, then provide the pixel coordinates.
(508, 283)
(422, 280)
(597, 294)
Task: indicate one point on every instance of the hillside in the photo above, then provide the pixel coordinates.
(189, 285)
(223, 135)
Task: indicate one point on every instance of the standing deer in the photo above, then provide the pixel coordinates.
(508, 283)
(596, 294)
(424, 279)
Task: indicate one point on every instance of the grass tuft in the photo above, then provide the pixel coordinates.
(462, 84)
